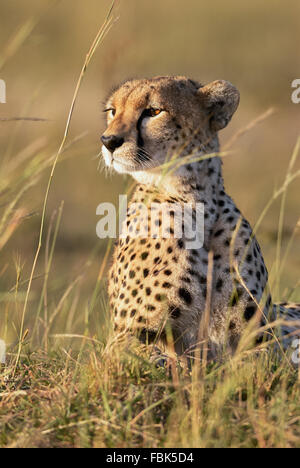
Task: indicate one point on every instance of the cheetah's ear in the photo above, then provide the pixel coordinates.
(220, 99)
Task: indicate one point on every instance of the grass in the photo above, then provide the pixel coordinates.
(111, 397)
(67, 383)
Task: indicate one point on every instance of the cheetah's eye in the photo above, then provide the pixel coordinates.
(152, 112)
(111, 112)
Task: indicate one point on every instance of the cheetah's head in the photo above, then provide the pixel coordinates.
(150, 120)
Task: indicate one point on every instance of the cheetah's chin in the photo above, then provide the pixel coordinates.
(122, 168)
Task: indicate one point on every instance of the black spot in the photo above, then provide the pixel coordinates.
(147, 336)
(232, 326)
(180, 243)
(144, 255)
(175, 312)
(150, 307)
(185, 279)
(131, 274)
(134, 292)
(169, 250)
(219, 285)
(218, 233)
(192, 260)
(166, 285)
(145, 272)
(258, 275)
(185, 295)
(123, 313)
(132, 313)
(236, 296)
(249, 312)
(148, 291)
(192, 272)
(167, 272)
(249, 258)
(260, 339)
(157, 245)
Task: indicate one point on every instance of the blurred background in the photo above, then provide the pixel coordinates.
(43, 44)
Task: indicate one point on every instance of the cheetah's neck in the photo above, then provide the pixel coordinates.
(199, 182)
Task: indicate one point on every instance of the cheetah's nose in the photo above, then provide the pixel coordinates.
(112, 142)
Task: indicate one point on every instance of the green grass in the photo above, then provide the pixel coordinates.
(66, 383)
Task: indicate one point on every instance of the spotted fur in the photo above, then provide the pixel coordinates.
(157, 287)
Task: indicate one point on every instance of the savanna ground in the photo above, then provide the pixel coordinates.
(65, 384)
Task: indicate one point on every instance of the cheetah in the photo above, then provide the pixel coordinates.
(158, 288)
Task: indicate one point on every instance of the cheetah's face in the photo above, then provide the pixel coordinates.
(148, 121)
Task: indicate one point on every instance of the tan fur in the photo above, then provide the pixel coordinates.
(158, 286)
